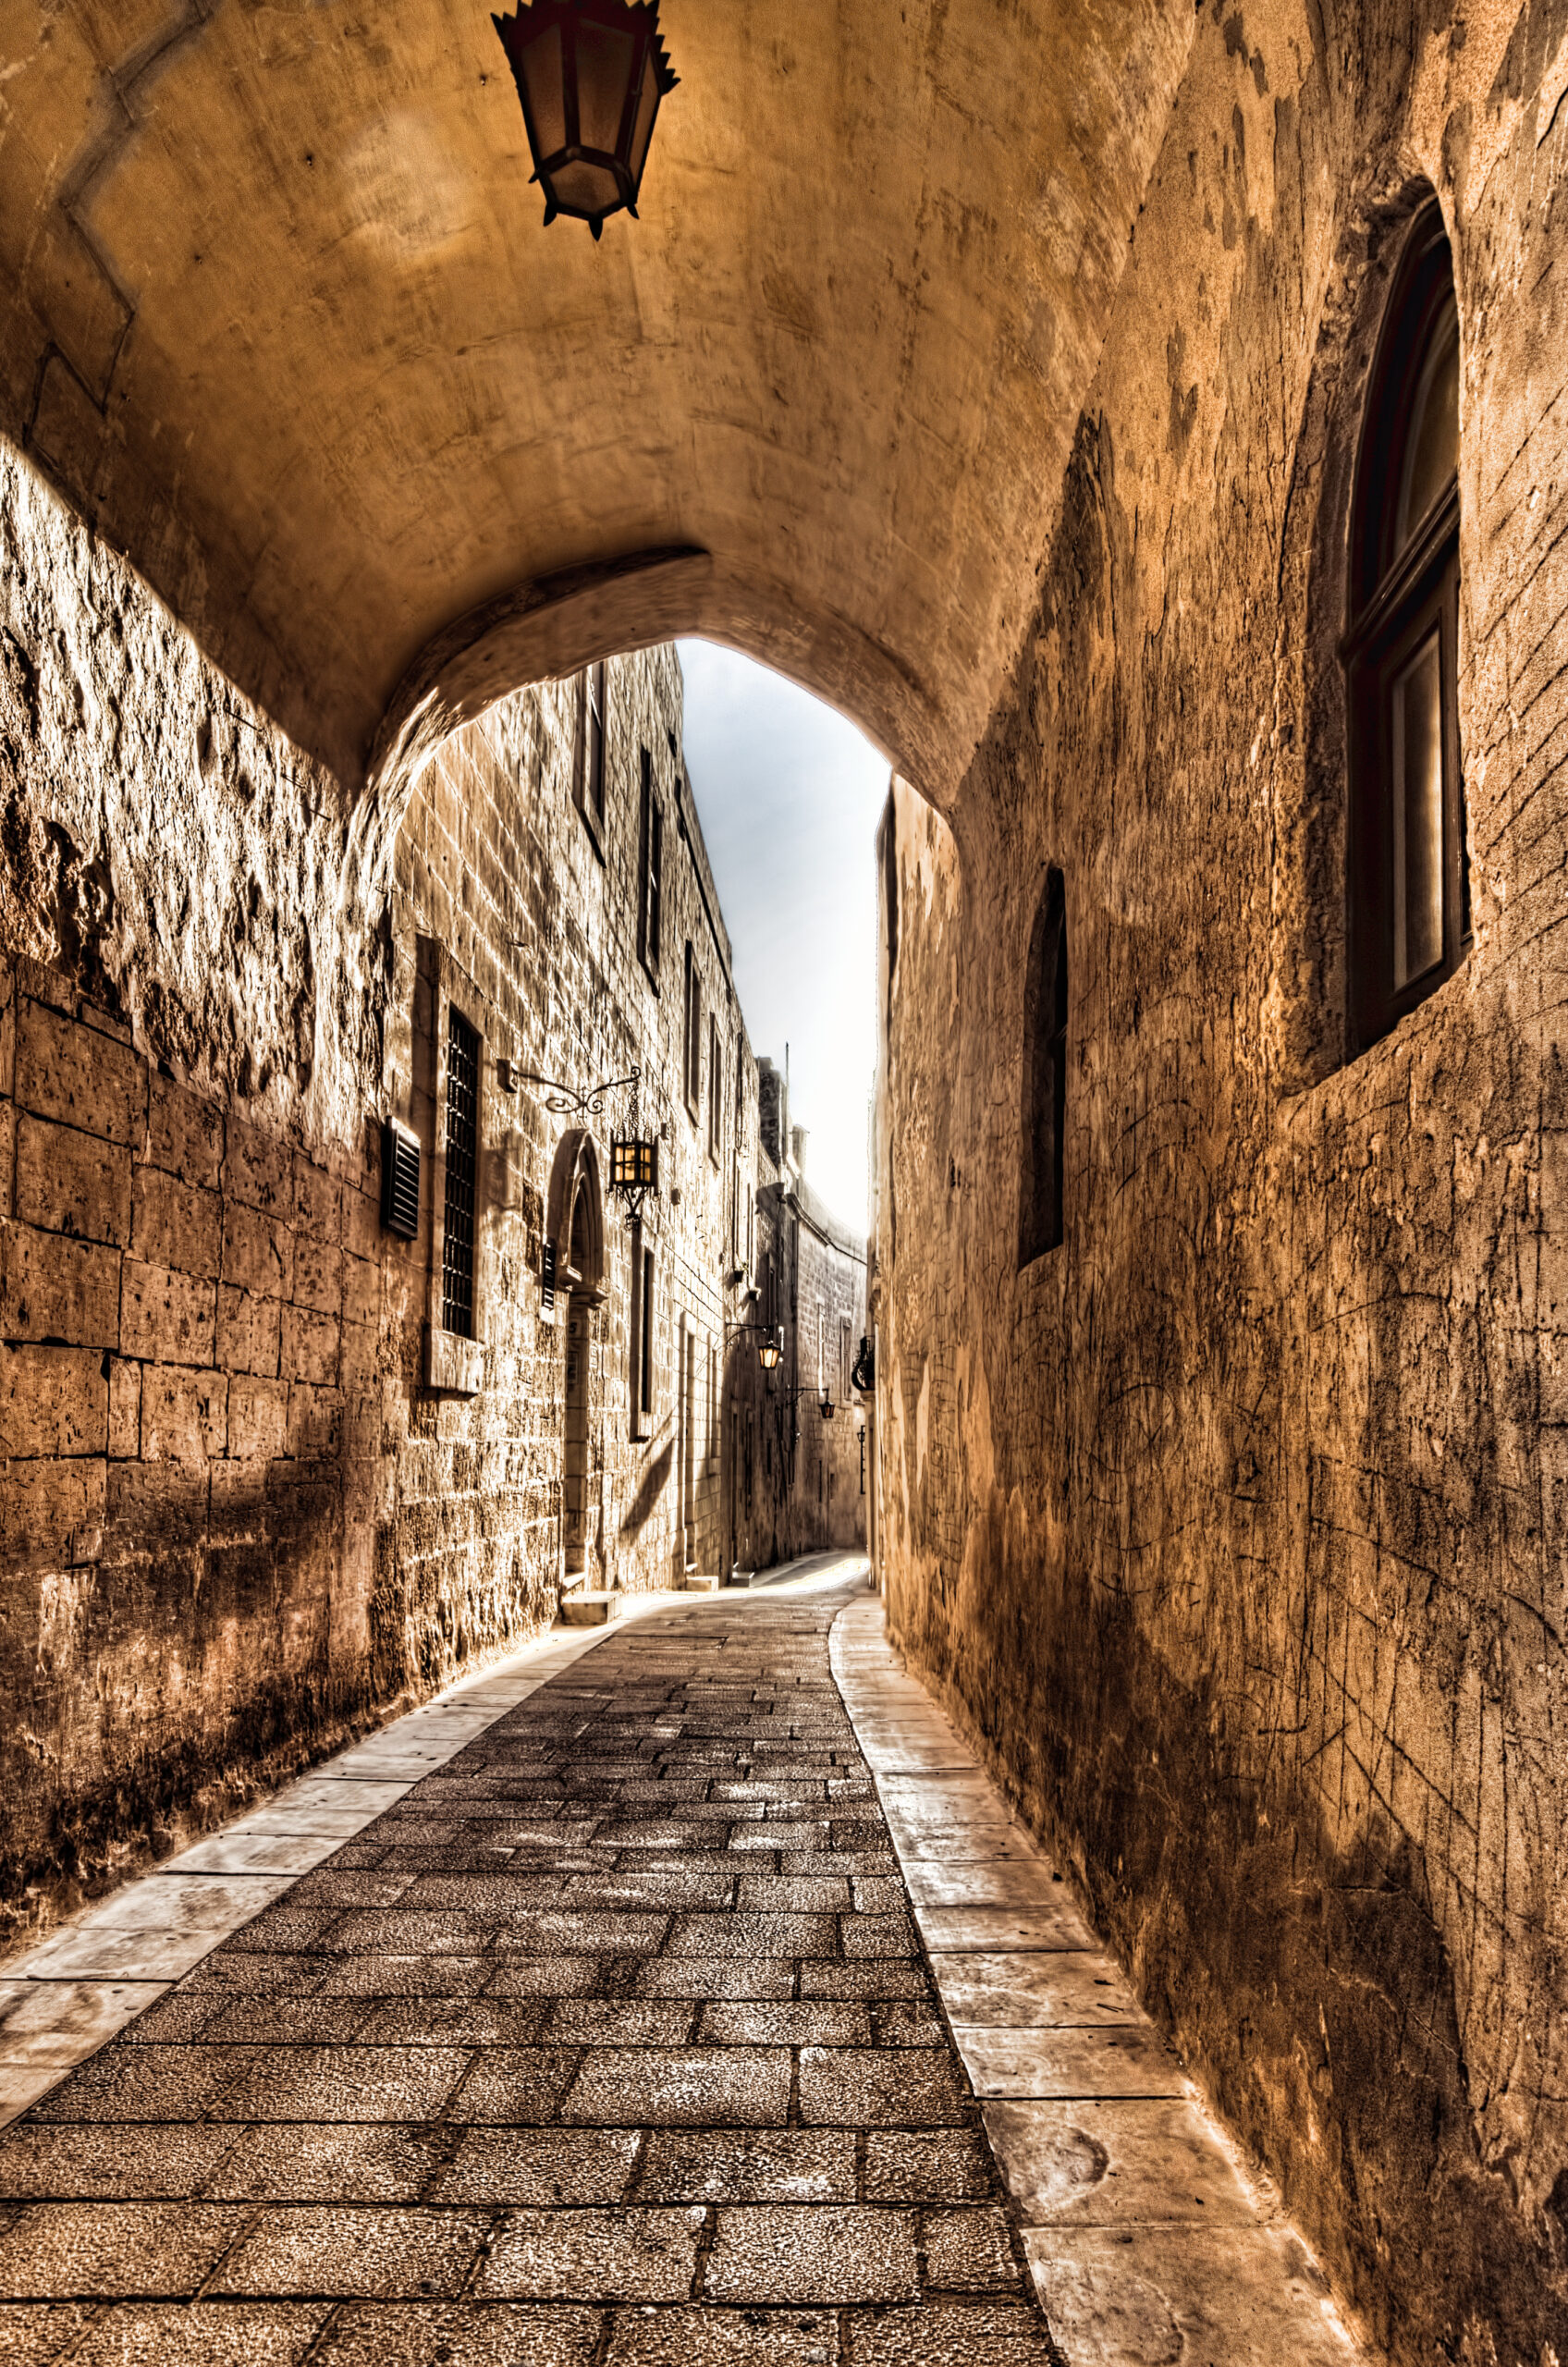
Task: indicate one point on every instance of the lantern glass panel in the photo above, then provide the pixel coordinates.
(643, 130)
(544, 75)
(606, 60)
(585, 189)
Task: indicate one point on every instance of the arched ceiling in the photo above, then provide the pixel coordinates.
(278, 308)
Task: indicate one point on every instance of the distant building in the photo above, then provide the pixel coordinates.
(808, 1488)
(604, 1419)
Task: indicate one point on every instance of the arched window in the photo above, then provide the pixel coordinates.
(1040, 1218)
(1407, 876)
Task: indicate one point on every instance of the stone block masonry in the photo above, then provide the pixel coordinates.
(252, 1493)
(180, 1614)
(1234, 1525)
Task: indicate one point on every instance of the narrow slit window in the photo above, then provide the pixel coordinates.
(646, 1356)
(716, 1091)
(1042, 1214)
(462, 1170)
(641, 1376)
(692, 1033)
(1407, 878)
(593, 785)
(650, 873)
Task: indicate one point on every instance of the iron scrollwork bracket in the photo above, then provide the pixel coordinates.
(567, 1102)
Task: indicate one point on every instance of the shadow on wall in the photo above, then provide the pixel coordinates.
(654, 1483)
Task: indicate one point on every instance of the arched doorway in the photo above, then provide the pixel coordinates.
(576, 1223)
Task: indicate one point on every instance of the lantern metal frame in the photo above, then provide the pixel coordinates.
(525, 37)
(770, 1347)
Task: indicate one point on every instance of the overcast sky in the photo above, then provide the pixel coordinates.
(788, 795)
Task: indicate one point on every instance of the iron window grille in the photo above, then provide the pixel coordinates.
(462, 1169)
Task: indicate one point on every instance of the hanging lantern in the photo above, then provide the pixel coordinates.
(590, 74)
(827, 1408)
(770, 1352)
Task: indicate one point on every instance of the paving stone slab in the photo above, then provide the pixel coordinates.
(609, 2037)
(1157, 2297)
(750, 2165)
(203, 2334)
(715, 2337)
(466, 2334)
(638, 2253)
(1142, 2241)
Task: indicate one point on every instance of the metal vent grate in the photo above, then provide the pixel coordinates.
(399, 1180)
(462, 1161)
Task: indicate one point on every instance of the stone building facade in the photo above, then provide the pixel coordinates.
(257, 1483)
(1232, 1518)
(809, 1472)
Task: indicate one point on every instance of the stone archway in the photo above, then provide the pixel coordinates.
(374, 424)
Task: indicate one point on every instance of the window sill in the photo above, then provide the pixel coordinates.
(452, 1364)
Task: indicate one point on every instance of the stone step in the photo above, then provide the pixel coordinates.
(590, 1610)
(702, 1582)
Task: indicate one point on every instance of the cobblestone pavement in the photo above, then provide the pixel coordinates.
(610, 2045)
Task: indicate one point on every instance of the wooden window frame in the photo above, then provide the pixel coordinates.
(1398, 600)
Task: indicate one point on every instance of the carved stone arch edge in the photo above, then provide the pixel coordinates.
(575, 1182)
(548, 628)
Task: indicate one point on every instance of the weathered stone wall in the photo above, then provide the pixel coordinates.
(1235, 1524)
(236, 1520)
(497, 866)
(829, 1320)
(189, 1435)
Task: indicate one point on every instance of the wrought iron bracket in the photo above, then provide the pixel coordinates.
(565, 1100)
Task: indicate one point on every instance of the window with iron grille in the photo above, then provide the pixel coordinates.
(462, 1167)
(692, 1032)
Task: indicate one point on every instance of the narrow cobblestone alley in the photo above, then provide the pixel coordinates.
(612, 2042)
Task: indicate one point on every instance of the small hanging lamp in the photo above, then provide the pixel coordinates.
(590, 74)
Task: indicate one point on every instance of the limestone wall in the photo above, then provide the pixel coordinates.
(1236, 1524)
(236, 1520)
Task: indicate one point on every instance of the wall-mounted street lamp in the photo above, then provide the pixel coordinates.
(826, 1407)
(590, 74)
(770, 1347)
(634, 1156)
